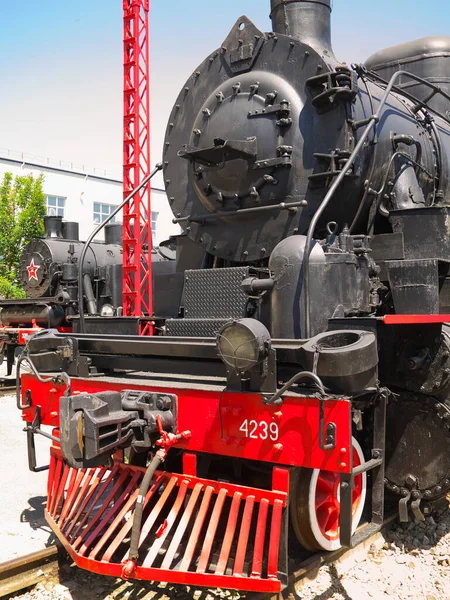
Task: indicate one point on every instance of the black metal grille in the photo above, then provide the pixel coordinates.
(215, 293)
(194, 327)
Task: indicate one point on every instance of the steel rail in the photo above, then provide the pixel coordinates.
(26, 571)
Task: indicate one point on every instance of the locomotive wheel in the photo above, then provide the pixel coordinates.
(315, 505)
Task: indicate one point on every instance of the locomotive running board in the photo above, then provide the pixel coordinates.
(194, 531)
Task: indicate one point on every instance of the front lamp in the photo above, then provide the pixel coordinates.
(107, 310)
(243, 344)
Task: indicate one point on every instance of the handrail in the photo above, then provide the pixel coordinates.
(88, 242)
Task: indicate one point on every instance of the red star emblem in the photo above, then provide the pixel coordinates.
(32, 270)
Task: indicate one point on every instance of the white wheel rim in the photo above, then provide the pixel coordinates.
(325, 542)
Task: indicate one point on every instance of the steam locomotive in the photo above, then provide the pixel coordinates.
(48, 272)
(303, 336)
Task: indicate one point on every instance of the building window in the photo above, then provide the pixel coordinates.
(102, 212)
(154, 219)
(55, 206)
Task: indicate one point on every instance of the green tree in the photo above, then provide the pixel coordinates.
(22, 211)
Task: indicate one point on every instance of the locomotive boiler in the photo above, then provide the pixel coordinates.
(303, 336)
(48, 273)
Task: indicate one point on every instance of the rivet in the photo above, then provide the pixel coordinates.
(342, 465)
(263, 250)
(257, 37)
(186, 89)
(167, 144)
(206, 112)
(166, 162)
(291, 44)
(245, 252)
(167, 181)
(277, 447)
(343, 450)
(197, 132)
(224, 48)
(197, 73)
(172, 199)
(278, 414)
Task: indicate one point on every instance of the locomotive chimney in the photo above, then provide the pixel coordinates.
(71, 231)
(113, 233)
(309, 21)
(53, 227)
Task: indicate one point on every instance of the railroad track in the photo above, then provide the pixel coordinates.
(26, 571)
(7, 386)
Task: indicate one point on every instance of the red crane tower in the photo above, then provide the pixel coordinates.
(137, 232)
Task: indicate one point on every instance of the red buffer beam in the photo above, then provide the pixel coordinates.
(137, 233)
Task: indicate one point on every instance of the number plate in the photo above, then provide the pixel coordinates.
(260, 430)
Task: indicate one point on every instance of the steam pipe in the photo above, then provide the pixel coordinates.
(90, 297)
(308, 21)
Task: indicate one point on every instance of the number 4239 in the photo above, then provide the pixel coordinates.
(259, 430)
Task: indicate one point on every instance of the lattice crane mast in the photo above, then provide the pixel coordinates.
(137, 232)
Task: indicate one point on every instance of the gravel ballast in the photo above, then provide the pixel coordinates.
(412, 561)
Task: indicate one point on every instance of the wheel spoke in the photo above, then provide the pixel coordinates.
(328, 477)
(325, 486)
(323, 499)
(328, 519)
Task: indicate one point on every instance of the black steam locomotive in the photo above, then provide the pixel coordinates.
(303, 335)
(49, 275)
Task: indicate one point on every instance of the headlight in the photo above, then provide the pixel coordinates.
(107, 311)
(243, 344)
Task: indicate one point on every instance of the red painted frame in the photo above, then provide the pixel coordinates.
(215, 417)
(22, 332)
(137, 233)
(414, 319)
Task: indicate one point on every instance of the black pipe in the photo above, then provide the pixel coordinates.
(90, 297)
(138, 512)
(308, 21)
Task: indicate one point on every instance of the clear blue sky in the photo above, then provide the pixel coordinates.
(61, 62)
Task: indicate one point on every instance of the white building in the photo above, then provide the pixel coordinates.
(84, 195)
